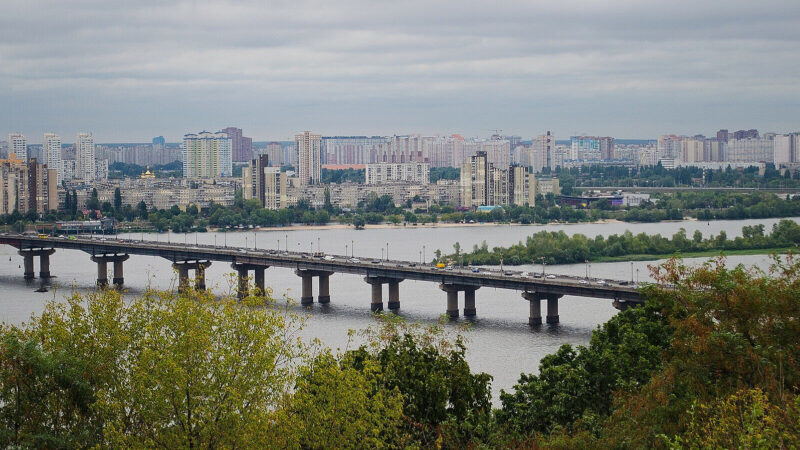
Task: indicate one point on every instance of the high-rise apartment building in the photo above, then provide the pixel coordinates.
(786, 148)
(498, 151)
(18, 145)
(27, 186)
(722, 135)
(591, 148)
(419, 173)
(266, 184)
(207, 155)
(750, 150)
(241, 146)
(308, 148)
(51, 149)
(746, 134)
(352, 149)
(84, 157)
(692, 150)
(476, 185)
(542, 149)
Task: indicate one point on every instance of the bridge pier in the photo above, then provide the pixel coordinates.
(27, 263)
(452, 291)
(394, 295)
(535, 299)
(307, 296)
(183, 268)
(242, 273)
(307, 292)
(469, 302)
(44, 262)
(258, 278)
(377, 293)
(200, 275)
(324, 289)
(102, 268)
(119, 277)
(552, 308)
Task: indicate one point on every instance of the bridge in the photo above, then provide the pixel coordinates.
(534, 287)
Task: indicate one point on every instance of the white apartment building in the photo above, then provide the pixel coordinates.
(385, 172)
(18, 145)
(207, 155)
(542, 149)
(352, 149)
(692, 150)
(750, 150)
(307, 147)
(498, 151)
(51, 150)
(84, 157)
(786, 148)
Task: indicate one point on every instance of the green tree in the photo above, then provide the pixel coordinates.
(117, 199)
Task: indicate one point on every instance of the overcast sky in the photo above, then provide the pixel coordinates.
(131, 70)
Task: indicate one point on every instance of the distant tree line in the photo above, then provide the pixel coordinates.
(556, 247)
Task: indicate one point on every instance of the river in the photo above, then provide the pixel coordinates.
(500, 342)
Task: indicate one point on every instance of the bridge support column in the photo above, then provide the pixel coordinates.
(44, 263)
(535, 300)
(452, 299)
(552, 308)
(119, 277)
(324, 289)
(241, 277)
(183, 275)
(200, 275)
(102, 272)
(307, 296)
(377, 293)
(469, 302)
(258, 278)
(28, 265)
(394, 295)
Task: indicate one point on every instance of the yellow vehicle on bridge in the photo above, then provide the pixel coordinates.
(42, 236)
(440, 265)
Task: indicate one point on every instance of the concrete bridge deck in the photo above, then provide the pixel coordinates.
(534, 286)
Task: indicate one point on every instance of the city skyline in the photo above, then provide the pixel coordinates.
(621, 69)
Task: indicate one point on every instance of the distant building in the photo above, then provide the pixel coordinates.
(386, 172)
(722, 136)
(750, 150)
(542, 152)
(27, 186)
(265, 183)
(591, 148)
(207, 155)
(84, 157)
(241, 146)
(543, 186)
(476, 188)
(159, 140)
(18, 145)
(309, 152)
(786, 149)
(51, 147)
(746, 134)
(352, 149)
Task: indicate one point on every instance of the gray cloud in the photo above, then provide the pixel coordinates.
(129, 70)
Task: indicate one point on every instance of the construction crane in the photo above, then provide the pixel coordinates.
(496, 134)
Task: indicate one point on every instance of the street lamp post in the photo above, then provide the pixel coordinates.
(387, 251)
(352, 249)
(286, 240)
(345, 250)
(631, 271)
(423, 254)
